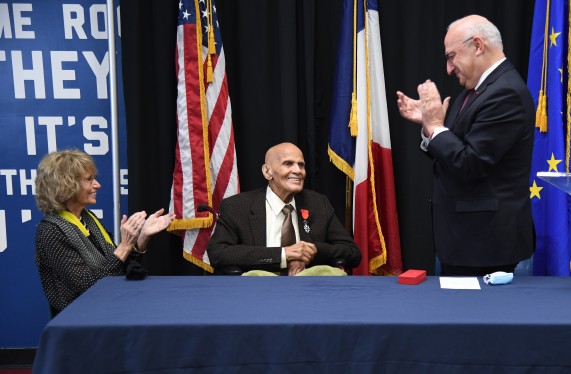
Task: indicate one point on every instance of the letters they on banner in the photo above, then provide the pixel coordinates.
(54, 94)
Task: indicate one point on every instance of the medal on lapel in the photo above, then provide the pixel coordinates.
(305, 216)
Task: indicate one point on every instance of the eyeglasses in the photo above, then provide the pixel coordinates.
(449, 56)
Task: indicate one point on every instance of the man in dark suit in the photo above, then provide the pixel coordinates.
(248, 233)
(482, 154)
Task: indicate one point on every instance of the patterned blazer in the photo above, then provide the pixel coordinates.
(240, 235)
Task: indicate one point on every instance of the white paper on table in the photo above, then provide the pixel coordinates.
(460, 283)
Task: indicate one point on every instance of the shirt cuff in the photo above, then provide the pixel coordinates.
(283, 264)
(426, 140)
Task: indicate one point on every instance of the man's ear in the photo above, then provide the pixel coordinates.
(266, 171)
(478, 43)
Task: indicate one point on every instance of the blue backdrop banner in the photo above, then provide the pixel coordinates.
(54, 94)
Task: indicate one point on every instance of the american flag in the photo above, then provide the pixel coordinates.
(205, 169)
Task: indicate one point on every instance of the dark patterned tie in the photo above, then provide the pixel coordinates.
(288, 233)
(468, 96)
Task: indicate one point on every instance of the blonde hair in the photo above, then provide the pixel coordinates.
(59, 177)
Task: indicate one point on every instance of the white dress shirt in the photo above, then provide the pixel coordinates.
(274, 221)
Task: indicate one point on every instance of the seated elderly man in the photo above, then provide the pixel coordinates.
(282, 228)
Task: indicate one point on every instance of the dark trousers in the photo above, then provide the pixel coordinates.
(453, 270)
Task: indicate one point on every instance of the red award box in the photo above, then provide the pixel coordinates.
(412, 277)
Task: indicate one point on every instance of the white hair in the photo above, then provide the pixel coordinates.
(485, 29)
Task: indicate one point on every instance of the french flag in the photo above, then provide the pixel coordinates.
(359, 139)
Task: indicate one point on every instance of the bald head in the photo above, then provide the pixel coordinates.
(471, 46)
(274, 152)
(471, 19)
(473, 25)
(284, 168)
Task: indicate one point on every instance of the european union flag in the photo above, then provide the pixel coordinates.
(548, 81)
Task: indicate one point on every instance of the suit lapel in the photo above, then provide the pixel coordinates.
(258, 219)
(490, 79)
(301, 204)
(471, 99)
(457, 123)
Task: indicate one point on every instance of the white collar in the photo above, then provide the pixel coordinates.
(276, 204)
(488, 72)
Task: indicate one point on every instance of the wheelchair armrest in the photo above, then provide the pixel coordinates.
(339, 263)
(342, 264)
(230, 270)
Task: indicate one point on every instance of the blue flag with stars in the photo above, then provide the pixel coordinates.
(548, 83)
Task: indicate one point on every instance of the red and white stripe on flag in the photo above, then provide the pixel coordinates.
(205, 169)
(375, 220)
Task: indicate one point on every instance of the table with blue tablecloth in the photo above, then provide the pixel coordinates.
(225, 324)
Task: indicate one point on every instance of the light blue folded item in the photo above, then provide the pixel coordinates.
(499, 277)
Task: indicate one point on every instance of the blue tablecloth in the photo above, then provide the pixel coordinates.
(310, 324)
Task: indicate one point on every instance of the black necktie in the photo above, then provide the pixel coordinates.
(288, 233)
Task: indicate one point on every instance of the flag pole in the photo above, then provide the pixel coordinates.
(349, 205)
(114, 120)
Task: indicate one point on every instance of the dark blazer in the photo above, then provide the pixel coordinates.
(480, 203)
(240, 235)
